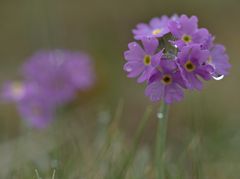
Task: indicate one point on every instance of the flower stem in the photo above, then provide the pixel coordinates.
(161, 141)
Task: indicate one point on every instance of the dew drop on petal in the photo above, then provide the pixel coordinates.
(128, 69)
(218, 77)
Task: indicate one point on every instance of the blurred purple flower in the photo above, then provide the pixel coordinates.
(60, 73)
(13, 91)
(51, 79)
(142, 61)
(80, 69)
(36, 107)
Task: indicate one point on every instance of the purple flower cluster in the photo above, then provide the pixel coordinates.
(173, 55)
(51, 79)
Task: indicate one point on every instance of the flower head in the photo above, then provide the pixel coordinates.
(177, 55)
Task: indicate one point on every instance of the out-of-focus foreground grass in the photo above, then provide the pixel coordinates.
(203, 132)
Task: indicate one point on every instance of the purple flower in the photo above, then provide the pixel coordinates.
(141, 62)
(165, 83)
(186, 31)
(219, 60)
(51, 78)
(192, 63)
(36, 109)
(80, 70)
(157, 27)
(183, 56)
(59, 73)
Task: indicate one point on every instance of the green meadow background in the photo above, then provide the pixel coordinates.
(91, 135)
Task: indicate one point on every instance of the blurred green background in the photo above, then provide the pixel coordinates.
(208, 120)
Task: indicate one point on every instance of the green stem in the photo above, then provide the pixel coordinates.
(161, 141)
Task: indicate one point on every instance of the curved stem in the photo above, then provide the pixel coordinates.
(161, 140)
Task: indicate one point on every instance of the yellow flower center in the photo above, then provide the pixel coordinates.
(187, 38)
(189, 66)
(147, 60)
(167, 79)
(156, 31)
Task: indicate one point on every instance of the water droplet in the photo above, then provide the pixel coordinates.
(160, 115)
(218, 77)
(128, 69)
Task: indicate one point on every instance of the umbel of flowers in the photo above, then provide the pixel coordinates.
(50, 79)
(174, 54)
